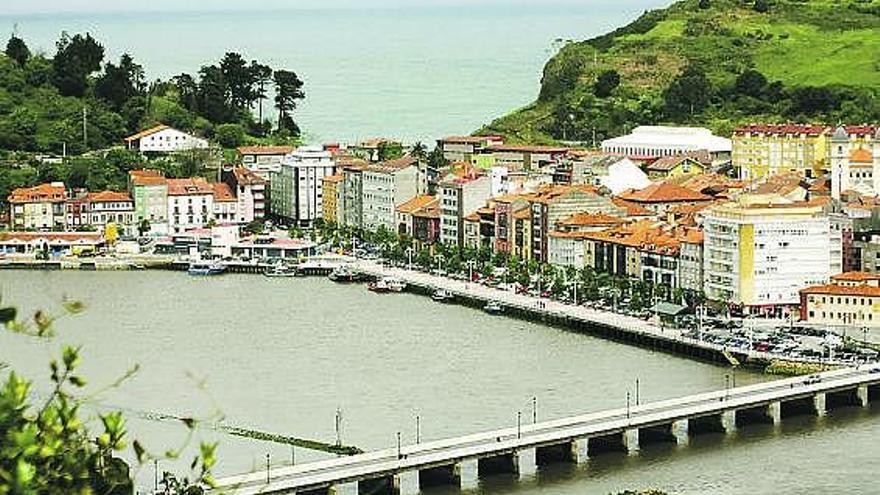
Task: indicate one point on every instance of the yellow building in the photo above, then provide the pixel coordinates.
(332, 186)
(669, 167)
(760, 150)
(40, 207)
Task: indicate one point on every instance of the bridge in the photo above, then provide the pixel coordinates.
(571, 439)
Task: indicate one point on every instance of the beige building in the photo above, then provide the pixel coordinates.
(39, 208)
(851, 299)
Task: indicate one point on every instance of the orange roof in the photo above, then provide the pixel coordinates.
(591, 219)
(843, 290)
(147, 132)
(222, 193)
(691, 208)
(146, 177)
(416, 204)
(470, 139)
(569, 235)
(644, 235)
(633, 209)
(523, 213)
(462, 173)
(861, 155)
(266, 150)
(473, 217)
(108, 197)
(667, 163)
(391, 166)
(248, 177)
(189, 187)
(663, 192)
(547, 193)
(334, 178)
(81, 237)
(428, 211)
(855, 277)
(54, 192)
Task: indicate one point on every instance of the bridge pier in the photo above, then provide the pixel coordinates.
(864, 396)
(873, 392)
(388, 485)
(845, 398)
(706, 424)
(664, 433)
(498, 464)
(763, 414)
(446, 475)
(568, 451)
(604, 444)
(807, 406)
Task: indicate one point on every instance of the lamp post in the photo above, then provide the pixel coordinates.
(638, 392)
(519, 424)
(418, 428)
(534, 410)
(471, 264)
(439, 259)
(267, 468)
(398, 446)
(409, 253)
(726, 387)
(628, 400)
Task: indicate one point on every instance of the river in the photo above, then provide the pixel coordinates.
(282, 355)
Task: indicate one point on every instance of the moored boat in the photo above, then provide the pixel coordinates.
(394, 284)
(441, 295)
(281, 271)
(205, 269)
(493, 307)
(380, 287)
(344, 274)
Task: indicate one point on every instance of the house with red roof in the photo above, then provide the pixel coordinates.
(40, 207)
(661, 196)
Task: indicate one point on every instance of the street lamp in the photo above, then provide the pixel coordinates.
(534, 410)
(471, 264)
(439, 259)
(398, 446)
(519, 424)
(628, 404)
(726, 387)
(409, 253)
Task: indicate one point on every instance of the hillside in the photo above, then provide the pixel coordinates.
(716, 63)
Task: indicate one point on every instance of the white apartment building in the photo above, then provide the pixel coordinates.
(249, 190)
(461, 192)
(297, 190)
(759, 253)
(111, 207)
(164, 139)
(190, 204)
(387, 185)
(648, 142)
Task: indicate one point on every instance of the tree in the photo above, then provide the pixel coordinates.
(704, 4)
(230, 135)
(144, 227)
(419, 151)
(119, 84)
(751, 83)
(239, 79)
(17, 50)
(762, 6)
(389, 150)
(688, 94)
(262, 75)
(288, 91)
(607, 82)
(76, 58)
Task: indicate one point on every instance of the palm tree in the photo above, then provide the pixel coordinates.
(419, 151)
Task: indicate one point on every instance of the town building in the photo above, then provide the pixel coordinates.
(855, 160)
(461, 191)
(404, 213)
(149, 189)
(661, 196)
(110, 207)
(264, 160)
(352, 208)
(465, 148)
(225, 209)
(669, 167)
(527, 157)
(51, 243)
(615, 172)
(370, 149)
(297, 191)
(164, 139)
(758, 253)
(387, 185)
(190, 204)
(851, 299)
(250, 191)
(647, 143)
(332, 199)
(40, 207)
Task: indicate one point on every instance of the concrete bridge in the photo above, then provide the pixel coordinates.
(571, 439)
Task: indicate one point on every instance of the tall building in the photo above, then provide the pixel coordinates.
(190, 204)
(297, 190)
(332, 192)
(250, 191)
(759, 252)
(149, 188)
(387, 185)
(40, 207)
(461, 192)
(855, 160)
(264, 160)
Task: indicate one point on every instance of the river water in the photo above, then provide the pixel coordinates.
(282, 355)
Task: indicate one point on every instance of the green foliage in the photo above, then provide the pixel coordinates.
(607, 82)
(77, 58)
(762, 6)
(17, 50)
(229, 135)
(288, 91)
(798, 50)
(389, 150)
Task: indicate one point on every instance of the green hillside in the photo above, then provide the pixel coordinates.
(716, 63)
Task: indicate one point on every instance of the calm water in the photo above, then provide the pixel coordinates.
(412, 73)
(283, 355)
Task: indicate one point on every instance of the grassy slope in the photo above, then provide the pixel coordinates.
(806, 43)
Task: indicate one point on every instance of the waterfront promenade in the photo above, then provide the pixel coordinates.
(579, 317)
(572, 439)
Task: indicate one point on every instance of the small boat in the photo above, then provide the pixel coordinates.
(379, 287)
(205, 269)
(281, 271)
(344, 274)
(493, 308)
(394, 284)
(441, 295)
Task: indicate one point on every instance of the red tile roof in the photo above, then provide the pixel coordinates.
(247, 177)
(591, 220)
(189, 187)
(223, 193)
(108, 197)
(43, 193)
(861, 155)
(855, 277)
(843, 290)
(266, 150)
(633, 209)
(146, 177)
(417, 203)
(147, 132)
(663, 192)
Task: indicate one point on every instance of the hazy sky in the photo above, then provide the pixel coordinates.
(45, 6)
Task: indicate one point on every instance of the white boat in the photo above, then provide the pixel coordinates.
(344, 274)
(441, 295)
(200, 268)
(380, 287)
(394, 284)
(493, 307)
(281, 271)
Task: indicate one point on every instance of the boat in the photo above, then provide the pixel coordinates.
(493, 307)
(394, 284)
(281, 271)
(205, 269)
(344, 274)
(441, 295)
(379, 287)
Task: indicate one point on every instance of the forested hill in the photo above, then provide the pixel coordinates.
(45, 99)
(716, 63)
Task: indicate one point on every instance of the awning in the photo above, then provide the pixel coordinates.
(668, 309)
